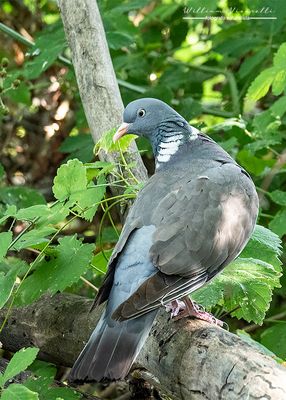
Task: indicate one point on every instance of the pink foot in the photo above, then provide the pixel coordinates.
(187, 308)
(175, 306)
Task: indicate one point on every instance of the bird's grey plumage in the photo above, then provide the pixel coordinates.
(114, 345)
(192, 218)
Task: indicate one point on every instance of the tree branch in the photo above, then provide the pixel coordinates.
(184, 359)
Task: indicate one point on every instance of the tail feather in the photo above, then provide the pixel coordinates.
(112, 348)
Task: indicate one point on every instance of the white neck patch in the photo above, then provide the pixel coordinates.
(194, 134)
(170, 145)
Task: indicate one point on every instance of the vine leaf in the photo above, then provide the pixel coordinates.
(245, 287)
(68, 262)
(18, 363)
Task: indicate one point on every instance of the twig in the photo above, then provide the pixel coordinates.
(88, 283)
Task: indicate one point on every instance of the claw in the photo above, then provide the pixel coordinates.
(187, 308)
(176, 306)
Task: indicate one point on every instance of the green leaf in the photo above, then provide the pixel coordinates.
(11, 265)
(278, 223)
(2, 171)
(64, 393)
(229, 144)
(70, 179)
(21, 197)
(89, 199)
(100, 260)
(7, 283)
(106, 142)
(260, 86)
(20, 95)
(278, 109)
(18, 392)
(80, 147)
(161, 12)
(267, 239)
(9, 212)
(34, 237)
(5, 240)
(71, 182)
(108, 235)
(29, 213)
(57, 213)
(250, 63)
(279, 59)
(190, 108)
(117, 40)
(47, 392)
(98, 168)
(69, 261)
(48, 45)
(43, 369)
(279, 197)
(19, 363)
(253, 164)
(279, 82)
(275, 76)
(256, 345)
(248, 281)
(128, 6)
(274, 338)
(162, 92)
(42, 383)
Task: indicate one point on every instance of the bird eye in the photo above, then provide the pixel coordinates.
(141, 112)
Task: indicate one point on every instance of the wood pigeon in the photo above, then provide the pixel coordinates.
(191, 219)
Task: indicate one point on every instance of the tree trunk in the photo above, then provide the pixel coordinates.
(95, 75)
(187, 359)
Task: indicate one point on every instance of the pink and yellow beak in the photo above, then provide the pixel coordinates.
(121, 131)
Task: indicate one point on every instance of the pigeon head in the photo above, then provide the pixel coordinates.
(143, 117)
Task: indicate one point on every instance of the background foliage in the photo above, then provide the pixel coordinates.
(58, 223)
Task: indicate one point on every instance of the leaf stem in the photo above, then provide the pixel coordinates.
(88, 283)
(30, 268)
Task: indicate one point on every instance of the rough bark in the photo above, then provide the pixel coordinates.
(95, 75)
(188, 360)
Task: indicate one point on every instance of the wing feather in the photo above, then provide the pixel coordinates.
(201, 226)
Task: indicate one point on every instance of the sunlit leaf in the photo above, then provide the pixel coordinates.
(279, 197)
(70, 260)
(5, 240)
(21, 197)
(106, 142)
(260, 86)
(70, 179)
(43, 54)
(18, 392)
(278, 223)
(7, 283)
(18, 363)
(245, 287)
(274, 338)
